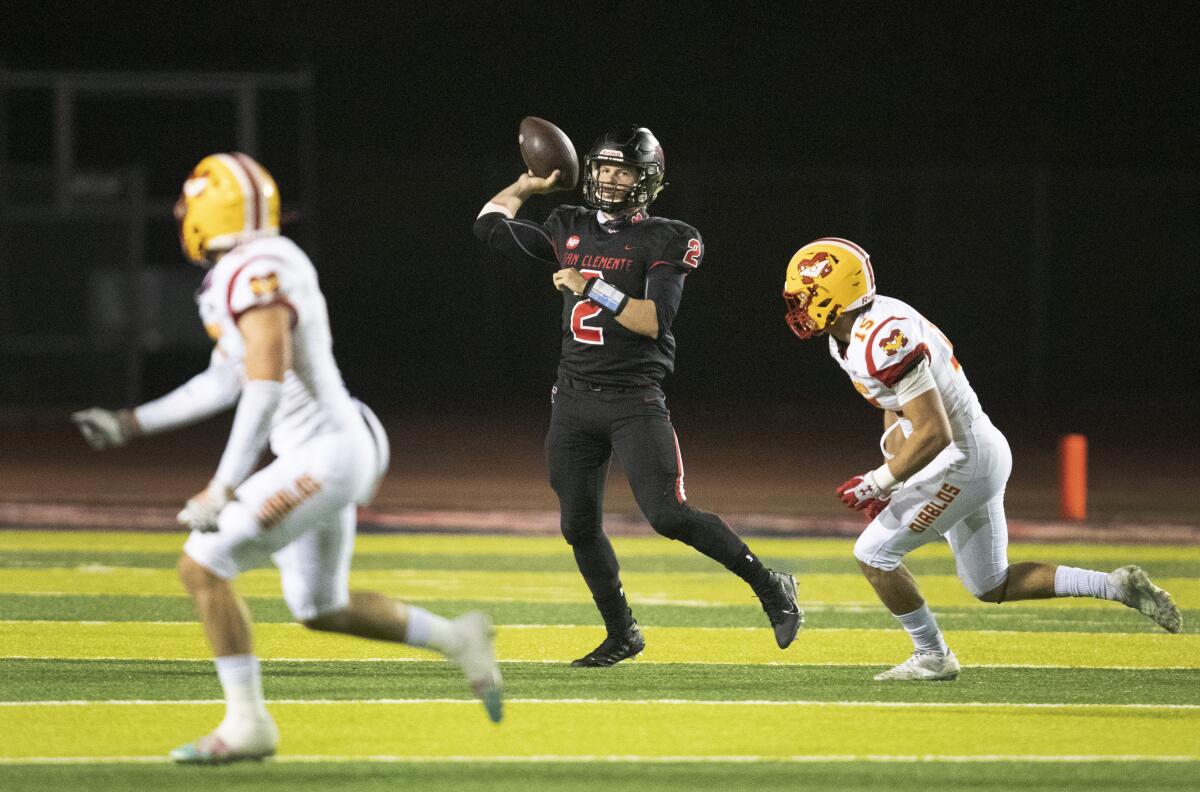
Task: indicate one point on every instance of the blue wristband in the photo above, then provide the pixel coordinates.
(607, 296)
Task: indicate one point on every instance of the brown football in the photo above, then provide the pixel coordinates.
(546, 148)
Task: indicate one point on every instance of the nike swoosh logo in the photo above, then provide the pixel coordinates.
(631, 247)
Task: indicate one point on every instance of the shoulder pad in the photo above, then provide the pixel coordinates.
(893, 347)
(259, 280)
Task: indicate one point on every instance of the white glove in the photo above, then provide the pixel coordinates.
(105, 428)
(201, 511)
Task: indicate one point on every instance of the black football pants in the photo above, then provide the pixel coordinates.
(586, 427)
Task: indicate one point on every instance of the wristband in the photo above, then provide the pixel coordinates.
(884, 478)
(607, 296)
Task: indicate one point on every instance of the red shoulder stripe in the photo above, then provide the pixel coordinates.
(874, 372)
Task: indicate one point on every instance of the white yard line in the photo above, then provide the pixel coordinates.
(640, 661)
(639, 702)
(561, 759)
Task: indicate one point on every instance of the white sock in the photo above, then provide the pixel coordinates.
(1075, 582)
(241, 679)
(924, 631)
(429, 629)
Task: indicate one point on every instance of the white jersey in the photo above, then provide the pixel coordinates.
(887, 341)
(275, 270)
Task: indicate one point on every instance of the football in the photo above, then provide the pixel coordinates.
(545, 148)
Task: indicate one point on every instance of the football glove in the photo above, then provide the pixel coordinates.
(201, 511)
(876, 485)
(875, 507)
(105, 428)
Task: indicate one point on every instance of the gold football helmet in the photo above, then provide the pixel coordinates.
(826, 278)
(227, 199)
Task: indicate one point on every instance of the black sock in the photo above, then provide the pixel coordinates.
(615, 611)
(750, 569)
(598, 565)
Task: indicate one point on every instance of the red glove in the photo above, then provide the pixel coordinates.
(846, 492)
(859, 492)
(875, 506)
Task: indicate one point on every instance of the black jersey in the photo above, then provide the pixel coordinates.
(645, 257)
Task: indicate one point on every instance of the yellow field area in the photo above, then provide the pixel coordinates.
(629, 729)
(627, 546)
(697, 588)
(141, 640)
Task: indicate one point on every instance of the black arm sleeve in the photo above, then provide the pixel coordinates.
(516, 239)
(664, 285)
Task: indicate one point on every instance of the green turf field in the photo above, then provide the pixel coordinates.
(103, 670)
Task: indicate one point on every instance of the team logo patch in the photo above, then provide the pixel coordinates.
(819, 266)
(265, 285)
(893, 343)
(573, 241)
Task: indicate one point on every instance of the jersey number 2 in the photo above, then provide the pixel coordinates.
(584, 310)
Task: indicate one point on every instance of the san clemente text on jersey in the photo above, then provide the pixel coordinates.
(597, 262)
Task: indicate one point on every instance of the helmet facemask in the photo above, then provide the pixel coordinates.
(629, 147)
(620, 198)
(806, 323)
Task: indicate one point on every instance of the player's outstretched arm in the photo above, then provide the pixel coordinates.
(204, 395)
(521, 240)
(266, 331)
(514, 195)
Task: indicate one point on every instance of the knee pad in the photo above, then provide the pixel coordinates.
(981, 585)
(232, 549)
(870, 551)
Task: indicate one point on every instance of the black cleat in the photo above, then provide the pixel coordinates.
(613, 649)
(779, 602)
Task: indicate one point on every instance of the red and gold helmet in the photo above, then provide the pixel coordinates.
(227, 199)
(826, 278)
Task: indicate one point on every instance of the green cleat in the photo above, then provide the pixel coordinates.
(477, 658)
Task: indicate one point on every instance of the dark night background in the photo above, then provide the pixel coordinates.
(1024, 174)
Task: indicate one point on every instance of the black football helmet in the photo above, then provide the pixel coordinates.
(635, 146)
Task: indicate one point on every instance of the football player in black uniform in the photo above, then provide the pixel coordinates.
(621, 273)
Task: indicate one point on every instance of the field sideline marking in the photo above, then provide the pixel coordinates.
(567, 662)
(560, 759)
(666, 701)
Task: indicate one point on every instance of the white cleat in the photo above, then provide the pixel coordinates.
(477, 657)
(255, 742)
(923, 667)
(1136, 591)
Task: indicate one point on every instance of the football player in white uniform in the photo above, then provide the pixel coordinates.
(945, 464)
(273, 358)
